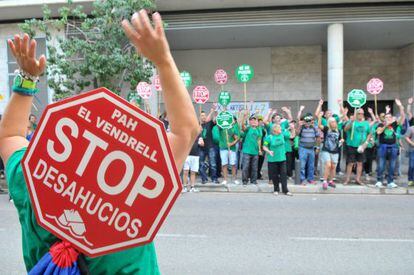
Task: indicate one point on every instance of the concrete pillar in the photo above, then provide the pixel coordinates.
(335, 65)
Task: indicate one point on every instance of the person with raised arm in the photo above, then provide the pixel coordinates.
(387, 132)
(149, 41)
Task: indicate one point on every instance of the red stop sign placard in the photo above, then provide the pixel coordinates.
(144, 90)
(156, 82)
(201, 94)
(100, 173)
(220, 76)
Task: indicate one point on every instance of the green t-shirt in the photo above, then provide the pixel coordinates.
(288, 144)
(275, 143)
(361, 131)
(36, 241)
(252, 136)
(230, 136)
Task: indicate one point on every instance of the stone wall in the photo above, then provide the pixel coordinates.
(406, 71)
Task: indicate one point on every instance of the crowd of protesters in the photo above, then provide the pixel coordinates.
(317, 140)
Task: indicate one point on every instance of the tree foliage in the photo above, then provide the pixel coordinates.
(96, 53)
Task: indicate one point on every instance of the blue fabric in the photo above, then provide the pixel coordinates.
(307, 161)
(48, 267)
(212, 162)
(411, 166)
(385, 151)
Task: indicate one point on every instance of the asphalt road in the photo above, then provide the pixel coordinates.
(215, 233)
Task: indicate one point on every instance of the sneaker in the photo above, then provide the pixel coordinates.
(334, 179)
(378, 184)
(203, 182)
(341, 173)
(2, 191)
(392, 185)
(244, 183)
(224, 182)
(325, 185)
(276, 193)
(185, 190)
(289, 194)
(411, 183)
(236, 182)
(253, 182)
(303, 183)
(216, 181)
(193, 190)
(2, 176)
(367, 178)
(332, 184)
(321, 179)
(311, 182)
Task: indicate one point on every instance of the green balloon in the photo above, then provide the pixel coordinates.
(224, 98)
(187, 79)
(357, 98)
(244, 73)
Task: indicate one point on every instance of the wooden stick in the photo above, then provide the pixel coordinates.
(159, 103)
(245, 95)
(376, 110)
(353, 124)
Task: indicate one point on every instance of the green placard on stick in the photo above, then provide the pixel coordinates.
(357, 98)
(224, 98)
(187, 79)
(244, 73)
(225, 120)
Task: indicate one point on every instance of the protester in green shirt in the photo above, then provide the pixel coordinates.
(228, 139)
(252, 136)
(357, 133)
(36, 241)
(290, 134)
(274, 146)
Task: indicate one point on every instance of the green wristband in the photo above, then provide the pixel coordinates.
(24, 86)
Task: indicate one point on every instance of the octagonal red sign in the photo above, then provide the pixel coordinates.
(100, 173)
(220, 76)
(201, 94)
(144, 90)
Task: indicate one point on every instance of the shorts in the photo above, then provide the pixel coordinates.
(326, 156)
(353, 155)
(192, 164)
(228, 158)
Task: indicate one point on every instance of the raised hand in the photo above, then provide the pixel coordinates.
(24, 50)
(148, 40)
(398, 102)
(339, 101)
(370, 110)
(320, 102)
(302, 108)
(410, 101)
(387, 109)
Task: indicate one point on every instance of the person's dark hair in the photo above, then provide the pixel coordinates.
(202, 112)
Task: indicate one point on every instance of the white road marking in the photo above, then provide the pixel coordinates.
(181, 236)
(351, 239)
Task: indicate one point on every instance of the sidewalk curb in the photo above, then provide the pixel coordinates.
(308, 189)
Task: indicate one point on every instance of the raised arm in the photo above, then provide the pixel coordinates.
(409, 113)
(14, 122)
(211, 114)
(401, 109)
(301, 108)
(288, 113)
(371, 113)
(268, 117)
(319, 108)
(152, 43)
(320, 126)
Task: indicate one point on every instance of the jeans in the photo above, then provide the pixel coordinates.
(212, 163)
(307, 160)
(250, 164)
(411, 166)
(385, 151)
(278, 175)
